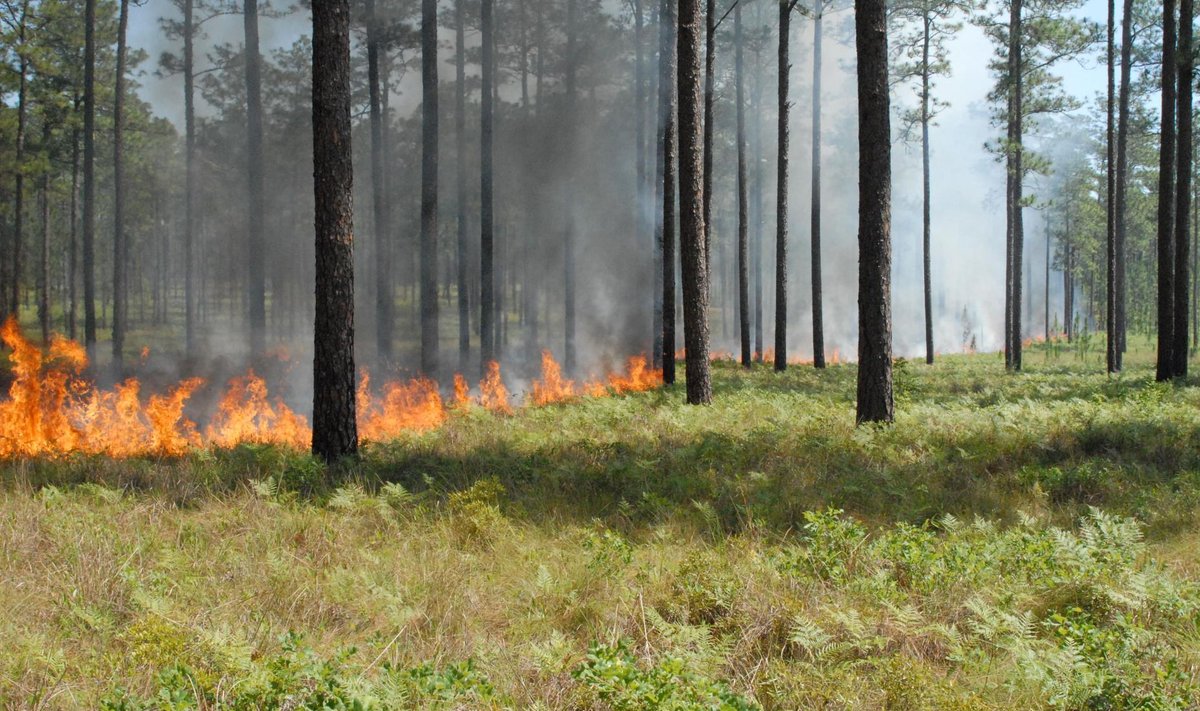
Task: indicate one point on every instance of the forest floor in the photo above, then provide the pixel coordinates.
(1014, 541)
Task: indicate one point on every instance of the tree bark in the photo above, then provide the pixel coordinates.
(664, 311)
(256, 294)
(743, 248)
(22, 118)
(926, 40)
(335, 432)
(1122, 179)
(710, 69)
(818, 321)
(460, 142)
(569, 234)
(189, 217)
(1166, 203)
(691, 207)
(89, 179)
(384, 303)
(487, 327)
(120, 248)
(756, 249)
(1112, 337)
(43, 281)
(429, 187)
(72, 248)
(1183, 188)
(1016, 174)
(875, 401)
(781, 190)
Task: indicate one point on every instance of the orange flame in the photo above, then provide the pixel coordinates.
(462, 391)
(492, 393)
(414, 406)
(51, 409)
(552, 387)
(245, 415)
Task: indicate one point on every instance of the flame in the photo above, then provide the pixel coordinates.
(638, 377)
(462, 392)
(245, 415)
(492, 393)
(413, 406)
(52, 409)
(552, 387)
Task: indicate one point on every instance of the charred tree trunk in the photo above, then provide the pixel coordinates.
(487, 327)
(335, 432)
(429, 187)
(664, 311)
(257, 292)
(781, 190)
(1166, 203)
(120, 248)
(743, 240)
(89, 179)
(691, 207)
(384, 302)
(818, 321)
(875, 401)
(1183, 188)
(460, 142)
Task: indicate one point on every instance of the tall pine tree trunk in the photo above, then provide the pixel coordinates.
(335, 432)
(664, 311)
(1183, 188)
(384, 311)
(256, 294)
(818, 321)
(926, 191)
(1112, 335)
(1016, 174)
(756, 249)
(73, 247)
(460, 145)
(189, 216)
(781, 189)
(43, 280)
(487, 327)
(743, 246)
(710, 69)
(429, 187)
(875, 401)
(1166, 202)
(569, 236)
(691, 207)
(1122, 180)
(22, 119)
(120, 248)
(89, 179)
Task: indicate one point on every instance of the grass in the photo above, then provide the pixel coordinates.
(1014, 541)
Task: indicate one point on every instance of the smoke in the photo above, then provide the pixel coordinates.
(555, 176)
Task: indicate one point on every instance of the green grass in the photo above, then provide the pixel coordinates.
(1014, 541)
